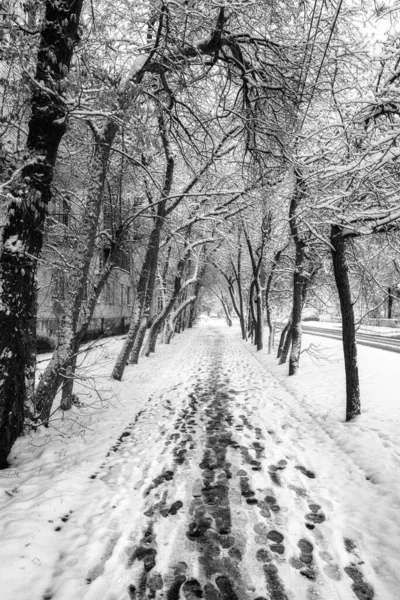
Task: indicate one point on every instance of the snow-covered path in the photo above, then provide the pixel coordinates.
(219, 486)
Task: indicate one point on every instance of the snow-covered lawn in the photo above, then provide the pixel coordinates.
(111, 501)
(371, 329)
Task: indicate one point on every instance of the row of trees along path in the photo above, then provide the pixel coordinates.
(243, 154)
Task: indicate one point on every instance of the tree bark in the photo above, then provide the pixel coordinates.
(137, 346)
(271, 327)
(165, 313)
(252, 313)
(299, 275)
(390, 302)
(79, 263)
(240, 316)
(285, 342)
(174, 317)
(225, 306)
(197, 287)
(143, 297)
(341, 272)
(296, 332)
(257, 315)
(283, 338)
(30, 191)
(85, 319)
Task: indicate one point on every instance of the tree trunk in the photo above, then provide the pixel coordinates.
(341, 272)
(235, 306)
(260, 319)
(271, 327)
(226, 311)
(300, 276)
(143, 297)
(178, 319)
(137, 346)
(101, 280)
(242, 317)
(164, 314)
(296, 332)
(287, 342)
(148, 274)
(79, 264)
(282, 338)
(253, 318)
(199, 282)
(175, 316)
(30, 191)
(390, 302)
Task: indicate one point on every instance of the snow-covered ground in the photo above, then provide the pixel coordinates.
(208, 472)
(371, 329)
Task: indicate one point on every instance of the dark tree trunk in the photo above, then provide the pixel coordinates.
(270, 325)
(390, 302)
(137, 346)
(192, 306)
(145, 290)
(236, 307)
(179, 322)
(286, 345)
(188, 302)
(341, 272)
(260, 319)
(23, 231)
(256, 291)
(101, 280)
(164, 314)
(226, 311)
(299, 282)
(282, 339)
(144, 297)
(62, 364)
(252, 315)
(242, 317)
(268, 287)
(299, 275)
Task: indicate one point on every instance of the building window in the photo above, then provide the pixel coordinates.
(59, 285)
(106, 254)
(122, 295)
(109, 293)
(122, 260)
(128, 295)
(65, 213)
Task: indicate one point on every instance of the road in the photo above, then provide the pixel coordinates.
(381, 342)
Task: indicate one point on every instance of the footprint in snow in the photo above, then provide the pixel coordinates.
(277, 539)
(225, 587)
(179, 579)
(273, 471)
(305, 471)
(306, 559)
(299, 491)
(316, 516)
(272, 504)
(191, 589)
(172, 510)
(362, 589)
